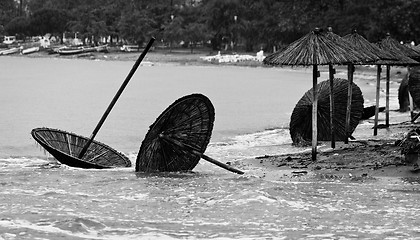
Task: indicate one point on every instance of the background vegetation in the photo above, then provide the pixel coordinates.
(223, 24)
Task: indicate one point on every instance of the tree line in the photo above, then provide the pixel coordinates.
(249, 24)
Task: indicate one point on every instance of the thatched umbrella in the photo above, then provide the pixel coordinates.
(75, 154)
(404, 57)
(300, 121)
(179, 137)
(315, 49)
(365, 58)
(372, 50)
(66, 146)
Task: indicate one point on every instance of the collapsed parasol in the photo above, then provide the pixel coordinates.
(300, 121)
(80, 151)
(179, 137)
(65, 147)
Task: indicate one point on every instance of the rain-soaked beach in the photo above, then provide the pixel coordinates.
(41, 199)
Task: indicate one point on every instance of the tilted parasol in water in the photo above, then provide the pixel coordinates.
(65, 147)
(179, 137)
(314, 49)
(78, 151)
(300, 121)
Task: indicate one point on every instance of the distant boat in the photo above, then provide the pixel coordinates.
(30, 50)
(78, 50)
(10, 51)
(70, 50)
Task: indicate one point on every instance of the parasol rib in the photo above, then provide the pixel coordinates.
(117, 95)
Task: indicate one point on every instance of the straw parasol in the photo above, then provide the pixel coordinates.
(179, 137)
(78, 158)
(404, 57)
(300, 121)
(315, 49)
(374, 51)
(65, 147)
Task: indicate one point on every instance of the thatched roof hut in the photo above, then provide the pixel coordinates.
(300, 121)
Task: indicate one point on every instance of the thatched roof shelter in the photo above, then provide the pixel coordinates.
(392, 44)
(316, 48)
(370, 49)
(300, 121)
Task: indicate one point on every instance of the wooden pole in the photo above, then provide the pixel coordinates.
(117, 95)
(198, 153)
(388, 73)
(315, 76)
(378, 88)
(350, 71)
(331, 74)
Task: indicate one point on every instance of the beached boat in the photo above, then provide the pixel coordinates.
(70, 51)
(10, 51)
(30, 50)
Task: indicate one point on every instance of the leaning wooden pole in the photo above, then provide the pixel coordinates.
(378, 88)
(332, 127)
(388, 72)
(350, 71)
(117, 95)
(315, 76)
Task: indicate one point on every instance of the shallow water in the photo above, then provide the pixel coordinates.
(43, 200)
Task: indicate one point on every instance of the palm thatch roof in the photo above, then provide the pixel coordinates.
(368, 48)
(316, 48)
(301, 122)
(389, 43)
(401, 59)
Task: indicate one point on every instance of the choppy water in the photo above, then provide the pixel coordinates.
(42, 200)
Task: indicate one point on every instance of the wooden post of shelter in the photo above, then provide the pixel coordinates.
(388, 70)
(315, 76)
(350, 71)
(378, 87)
(331, 75)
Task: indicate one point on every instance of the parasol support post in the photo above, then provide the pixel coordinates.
(315, 75)
(332, 127)
(378, 88)
(117, 95)
(388, 73)
(201, 155)
(350, 71)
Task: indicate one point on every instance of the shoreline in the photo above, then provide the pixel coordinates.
(365, 160)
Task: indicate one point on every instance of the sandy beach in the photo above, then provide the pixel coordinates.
(368, 158)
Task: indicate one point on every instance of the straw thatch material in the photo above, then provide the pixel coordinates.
(316, 48)
(414, 84)
(370, 49)
(189, 120)
(65, 147)
(301, 122)
(389, 43)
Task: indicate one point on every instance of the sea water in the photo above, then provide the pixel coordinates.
(40, 199)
